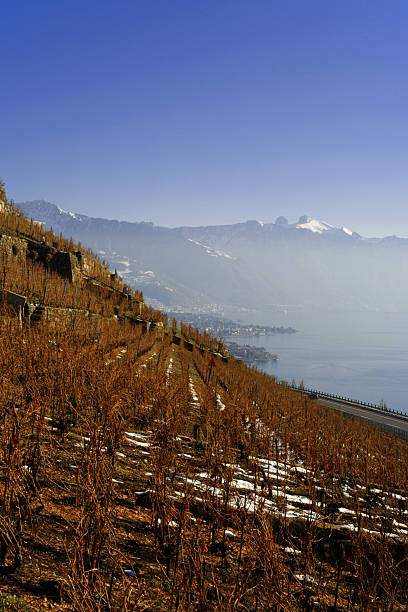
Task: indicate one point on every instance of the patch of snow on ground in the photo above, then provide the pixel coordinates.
(220, 403)
(132, 434)
(137, 442)
(292, 551)
(305, 578)
(242, 484)
(138, 439)
(193, 393)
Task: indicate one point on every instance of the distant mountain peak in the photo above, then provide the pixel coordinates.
(305, 222)
(313, 225)
(304, 219)
(281, 221)
(44, 208)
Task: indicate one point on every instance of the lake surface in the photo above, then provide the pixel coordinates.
(358, 355)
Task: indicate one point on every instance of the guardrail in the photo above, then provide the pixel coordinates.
(346, 400)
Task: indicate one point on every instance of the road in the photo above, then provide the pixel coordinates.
(386, 420)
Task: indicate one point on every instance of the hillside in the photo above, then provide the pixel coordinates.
(306, 265)
(143, 468)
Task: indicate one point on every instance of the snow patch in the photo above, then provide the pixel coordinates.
(313, 225)
(212, 252)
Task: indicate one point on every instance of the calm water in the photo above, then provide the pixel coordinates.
(359, 355)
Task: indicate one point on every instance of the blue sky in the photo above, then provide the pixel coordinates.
(207, 112)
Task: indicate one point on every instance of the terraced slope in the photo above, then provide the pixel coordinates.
(137, 477)
(141, 468)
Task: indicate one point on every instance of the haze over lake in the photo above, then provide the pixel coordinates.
(358, 355)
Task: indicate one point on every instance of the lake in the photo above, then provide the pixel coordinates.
(358, 355)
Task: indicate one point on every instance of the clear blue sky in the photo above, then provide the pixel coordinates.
(208, 111)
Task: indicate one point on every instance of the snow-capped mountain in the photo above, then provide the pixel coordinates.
(216, 236)
(318, 227)
(308, 263)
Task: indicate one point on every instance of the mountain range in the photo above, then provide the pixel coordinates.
(309, 264)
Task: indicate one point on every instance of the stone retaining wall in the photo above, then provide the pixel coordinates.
(11, 246)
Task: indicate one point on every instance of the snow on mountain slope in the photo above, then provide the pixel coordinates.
(210, 250)
(318, 227)
(313, 225)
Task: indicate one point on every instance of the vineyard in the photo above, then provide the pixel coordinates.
(143, 468)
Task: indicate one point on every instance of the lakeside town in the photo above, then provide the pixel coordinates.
(250, 354)
(223, 328)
